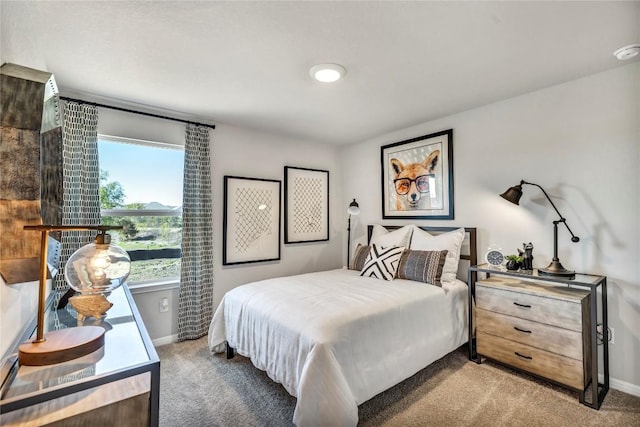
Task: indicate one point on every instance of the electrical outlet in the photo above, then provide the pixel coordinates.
(600, 337)
(164, 305)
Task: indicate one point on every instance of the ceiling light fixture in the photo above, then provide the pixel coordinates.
(327, 73)
(627, 52)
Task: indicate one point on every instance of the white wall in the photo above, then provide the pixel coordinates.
(18, 307)
(581, 142)
(242, 152)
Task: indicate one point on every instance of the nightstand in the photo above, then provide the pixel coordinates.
(118, 384)
(543, 325)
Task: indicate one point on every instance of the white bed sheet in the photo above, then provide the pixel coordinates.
(335, 339)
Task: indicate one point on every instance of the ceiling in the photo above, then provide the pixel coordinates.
(247, 63)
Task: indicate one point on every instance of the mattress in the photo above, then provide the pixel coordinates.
(335, 339)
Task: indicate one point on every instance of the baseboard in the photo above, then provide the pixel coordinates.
(165, 340)
(622, 386)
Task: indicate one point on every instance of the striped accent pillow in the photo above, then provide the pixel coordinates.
(422, 266)
(359, 257)
(382, 263)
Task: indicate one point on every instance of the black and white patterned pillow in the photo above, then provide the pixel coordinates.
(382, 263)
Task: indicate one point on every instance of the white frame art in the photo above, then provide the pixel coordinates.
(306, 205)
(251, 220)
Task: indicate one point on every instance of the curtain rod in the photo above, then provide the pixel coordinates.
(126, 110)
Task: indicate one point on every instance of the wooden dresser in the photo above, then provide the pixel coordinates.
(543, 325)
(540, 329)
(118, 384)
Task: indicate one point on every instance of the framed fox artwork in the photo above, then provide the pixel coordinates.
(417, 177)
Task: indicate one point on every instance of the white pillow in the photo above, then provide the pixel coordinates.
(451, 241)
(385, 238)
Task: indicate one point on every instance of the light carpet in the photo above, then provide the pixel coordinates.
(199, 388)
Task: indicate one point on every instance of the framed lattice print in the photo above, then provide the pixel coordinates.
(306, 205)
(251, 220)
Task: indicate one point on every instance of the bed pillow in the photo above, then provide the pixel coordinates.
(422, 266)
(359, 257)
(450, 241)
(382, 263)
(385, 238)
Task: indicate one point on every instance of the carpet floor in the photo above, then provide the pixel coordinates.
(199, 388)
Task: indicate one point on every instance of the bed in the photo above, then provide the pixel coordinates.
(335, 339)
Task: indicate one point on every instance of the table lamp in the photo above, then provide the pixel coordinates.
(95, 268)
(555, 268)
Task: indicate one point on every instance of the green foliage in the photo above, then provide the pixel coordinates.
(130, 230)
(111, 193)
(516, 258)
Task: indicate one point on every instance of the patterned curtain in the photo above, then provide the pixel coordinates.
(196, 277)
(81, 178)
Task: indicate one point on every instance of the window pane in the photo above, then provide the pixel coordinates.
(142, 176)
(139, 176)
(153, 243)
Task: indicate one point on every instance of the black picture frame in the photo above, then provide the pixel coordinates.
(251, 220)
(403, 162)
(306, 205)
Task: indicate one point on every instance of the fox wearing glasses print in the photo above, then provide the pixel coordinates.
(411, 182)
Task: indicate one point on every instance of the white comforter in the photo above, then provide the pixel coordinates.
(335, 339)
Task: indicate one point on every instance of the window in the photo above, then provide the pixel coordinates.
(141, 189)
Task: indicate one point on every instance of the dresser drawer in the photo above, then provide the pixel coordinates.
(546, 337)
(561, 369)
(558, 312)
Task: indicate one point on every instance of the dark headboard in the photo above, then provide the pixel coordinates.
(468, 251)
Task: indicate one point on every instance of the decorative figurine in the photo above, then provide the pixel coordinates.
(527, 256)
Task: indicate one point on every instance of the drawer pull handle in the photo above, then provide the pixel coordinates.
(522, 305)
(521, 330)
(523, 356)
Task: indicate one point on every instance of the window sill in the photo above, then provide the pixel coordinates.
(154, 286)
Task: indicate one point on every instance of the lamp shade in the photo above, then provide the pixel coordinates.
(97, 268)
(353, 208)
(513, 194)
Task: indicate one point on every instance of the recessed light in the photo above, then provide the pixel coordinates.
(327, 73)
(627, 52)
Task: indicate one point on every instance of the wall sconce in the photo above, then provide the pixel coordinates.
(353, 209)
(555, 268)
(93, 269)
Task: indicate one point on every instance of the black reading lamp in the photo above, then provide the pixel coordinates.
(513, 195)
(353, 209)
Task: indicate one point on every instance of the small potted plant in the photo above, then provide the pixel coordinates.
(513, 262)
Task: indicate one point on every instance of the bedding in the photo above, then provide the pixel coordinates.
(422, 266)
(451, 241)
(335, 339)
(359, 257)
(383, 237)
(382, 263)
